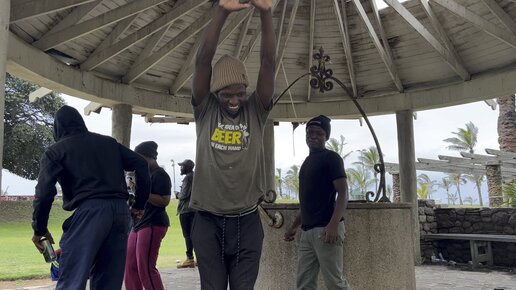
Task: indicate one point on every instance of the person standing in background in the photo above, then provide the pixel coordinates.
(148, 231)
(186, 214)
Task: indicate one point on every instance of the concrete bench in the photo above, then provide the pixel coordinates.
(480, 244)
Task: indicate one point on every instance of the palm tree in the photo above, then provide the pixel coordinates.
(458, 180)
(279, 182)
(466, 140)
(368, 158)
(422, 191)
(446, 184)
(507, 123)
(360, 180)
(478, 179)
(338, 146)
(292, 179)
(426, 184)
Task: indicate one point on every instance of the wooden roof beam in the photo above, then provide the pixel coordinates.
(188, 67)
(242, 35)
(386, 58)
(503, 154)
(383, 35)
(342, 20)
(96, 23)
(100, 56)
(22, 10)
(115, 34)
(77, 14)
(502, 16)
(430, 38)
(257, 32)
(137, 69)
(433, 161)
(280, 28)
(167, 119)
(436, 24)
(394, 167)
(311, 37)
(39, 93)
(151, 44)
(488, 27)
(288, 32)
(474, 156)
(457, 160)
(140, 68)
(93, 107)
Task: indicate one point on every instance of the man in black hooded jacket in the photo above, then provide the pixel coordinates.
(90, 169)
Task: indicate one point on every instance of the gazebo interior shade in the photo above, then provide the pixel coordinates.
(395, 52)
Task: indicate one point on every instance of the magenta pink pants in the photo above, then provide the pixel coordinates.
(142, 254)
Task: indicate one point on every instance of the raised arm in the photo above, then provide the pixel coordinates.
(265, 84)
(210, 38)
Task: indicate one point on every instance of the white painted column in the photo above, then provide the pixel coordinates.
(121, 121)
(5, 9)
(268, 149)
(407, 167)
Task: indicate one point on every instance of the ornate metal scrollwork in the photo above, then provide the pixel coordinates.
(322, 79)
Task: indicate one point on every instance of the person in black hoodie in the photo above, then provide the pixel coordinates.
(90, 170)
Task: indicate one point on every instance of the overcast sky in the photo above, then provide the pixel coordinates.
(177, 142)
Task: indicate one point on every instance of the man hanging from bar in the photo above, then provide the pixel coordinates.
(229, 180)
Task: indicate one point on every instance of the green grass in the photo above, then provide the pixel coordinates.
(19, 259)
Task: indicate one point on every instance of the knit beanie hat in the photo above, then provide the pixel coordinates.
(228, 71)
(321, 121)
(148, 149)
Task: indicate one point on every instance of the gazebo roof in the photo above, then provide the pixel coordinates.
(439, 52)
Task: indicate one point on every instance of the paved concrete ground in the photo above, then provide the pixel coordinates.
(427, 277)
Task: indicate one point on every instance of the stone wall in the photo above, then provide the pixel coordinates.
(427, 225)
(499, 221)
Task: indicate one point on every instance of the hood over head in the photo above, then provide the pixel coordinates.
(68, 121)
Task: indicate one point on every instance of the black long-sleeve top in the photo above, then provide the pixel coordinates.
(87, 166)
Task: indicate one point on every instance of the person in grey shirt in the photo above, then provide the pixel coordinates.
(186, 214)
(229, 178)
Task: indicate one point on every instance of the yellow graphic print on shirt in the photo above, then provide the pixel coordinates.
(229, 137)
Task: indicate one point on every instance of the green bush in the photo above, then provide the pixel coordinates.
(509, 190)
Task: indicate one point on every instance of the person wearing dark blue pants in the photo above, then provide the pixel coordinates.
(99, 256)
(90, 169)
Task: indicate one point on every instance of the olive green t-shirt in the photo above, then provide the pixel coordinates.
(230, 169)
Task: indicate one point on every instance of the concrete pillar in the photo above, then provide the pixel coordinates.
(494, 185)
(407, 166)
(5, 10)
(268, 149)
(396, 194)
(121, 120)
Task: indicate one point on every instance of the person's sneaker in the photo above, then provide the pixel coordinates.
(188, 263)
